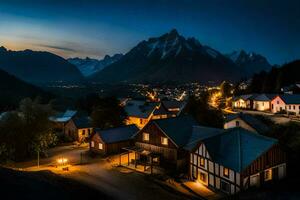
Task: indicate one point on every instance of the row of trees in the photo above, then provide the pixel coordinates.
(26, 131)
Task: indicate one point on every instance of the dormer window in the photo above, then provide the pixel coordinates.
(237, 123)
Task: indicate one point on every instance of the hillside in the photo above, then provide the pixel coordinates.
(43, 185)
(37, 66)
(276, 78)
(12, 90)
(170, 58)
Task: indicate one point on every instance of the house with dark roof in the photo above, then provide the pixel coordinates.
(289, 103)
(262, 102)
(139, 112)
(243, 101)
(245, 121)
(111, 141)
(235, 159)
(61, 119)
(174, 108)
(79, 128)
(167, 137)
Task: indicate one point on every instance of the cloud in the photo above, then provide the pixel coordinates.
(58, 47)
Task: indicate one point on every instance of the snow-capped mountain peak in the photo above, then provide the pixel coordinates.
(89, 66)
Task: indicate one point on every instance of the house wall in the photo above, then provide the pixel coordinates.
(71, 130)
(274, 159)
(168, 152)
(277, 104)
(293, 109)
(95, 148)
(213, 172)
(262, 105)
(84, 133)
(242, 123)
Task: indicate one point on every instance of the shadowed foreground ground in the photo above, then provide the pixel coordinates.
(43, 185)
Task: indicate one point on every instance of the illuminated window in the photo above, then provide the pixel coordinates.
(203, 177)
(100, 146)
(164, 140)
(226, 172)
(92, 144)
(146, 136)
(202, 162)
(268, 175)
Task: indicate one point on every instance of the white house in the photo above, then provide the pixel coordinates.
(290, 103)
(262, 102)
(243, 101)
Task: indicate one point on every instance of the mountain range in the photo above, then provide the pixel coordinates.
(89, 66)
(250, 63)
(38, 66)
(170, 58)
(167, 58)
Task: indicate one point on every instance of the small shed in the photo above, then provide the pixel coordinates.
(111, 141)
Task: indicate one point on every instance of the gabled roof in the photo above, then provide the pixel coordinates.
(64, 117)
(178, 129)
(140, 109)
(237, 148)
(258, 125)
(161, 111)
(245, 97)
(265, 97)
(290, 98)
(83, 122)
(200, 133)
(117, 134)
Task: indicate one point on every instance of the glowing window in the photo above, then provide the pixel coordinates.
(268, 175)
(164, 140)
(92, 144)
(100, 146)
(146, 136)
(202, 162)
(226, 172)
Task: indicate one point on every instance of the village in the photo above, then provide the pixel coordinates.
(160, 140)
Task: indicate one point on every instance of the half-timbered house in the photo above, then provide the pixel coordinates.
(235, 160)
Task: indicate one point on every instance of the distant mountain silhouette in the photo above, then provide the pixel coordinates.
(89, 66)
(170, 58)
(37, 66)
(12, 90)
(250, 63)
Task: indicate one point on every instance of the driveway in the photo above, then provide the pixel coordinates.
(117, 182)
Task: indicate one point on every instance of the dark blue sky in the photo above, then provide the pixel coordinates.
(95, 28)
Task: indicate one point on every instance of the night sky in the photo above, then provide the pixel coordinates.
(95, 28)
